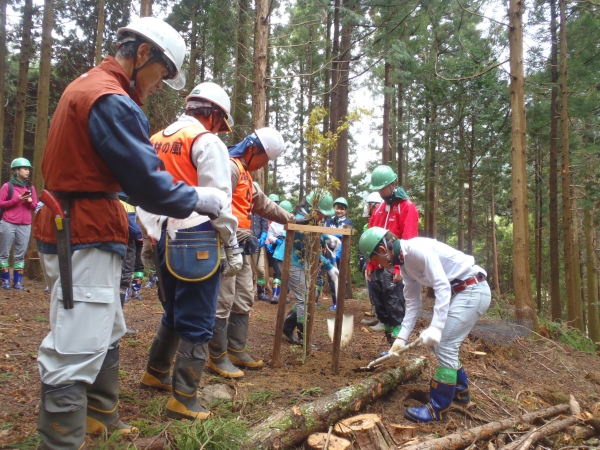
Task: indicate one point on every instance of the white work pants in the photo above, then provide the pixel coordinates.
(80, 337)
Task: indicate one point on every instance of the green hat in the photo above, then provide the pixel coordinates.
(341, 201)
(381, 177)
(20, 162)
(370, 239)
(287, 206)
(274, 198)
(325, 205)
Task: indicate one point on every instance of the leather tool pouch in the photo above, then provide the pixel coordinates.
(193, 256)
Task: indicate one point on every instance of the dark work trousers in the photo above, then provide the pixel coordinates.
(190, 308)
(132, 262)
(387, 297)
(274, 264)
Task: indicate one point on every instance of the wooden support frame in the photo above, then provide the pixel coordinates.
(346, 233)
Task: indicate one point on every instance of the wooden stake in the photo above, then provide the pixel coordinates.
(341, 299)
(285, 281)
(310, 308)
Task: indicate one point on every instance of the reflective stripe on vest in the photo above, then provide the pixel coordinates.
(175, 152)
(241, 200)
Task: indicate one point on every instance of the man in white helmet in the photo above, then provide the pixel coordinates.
(192, 153)
(236, 295)
(97, 146)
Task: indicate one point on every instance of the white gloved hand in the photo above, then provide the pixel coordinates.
(333, 272)
(399, 344)
(235, 261)
(431, 336)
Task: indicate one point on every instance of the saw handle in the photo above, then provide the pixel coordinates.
(395, 356)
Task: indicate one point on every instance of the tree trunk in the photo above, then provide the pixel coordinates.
(471, 190)
(21, 97)
(430, 177)
(335, 74)
(193, 66)
(41, 123)
(556, 308)
(538, 227)
(461, 219)
(259, 92)
(385, 148)
(2, 78)
(592, 276)
(495, 245)
(301, 161)
(146, 8)
(239, 112)
(399, 139)
(309, 149)
(327, 77)
(99, 31)
(288, 428)
(344, 72)
(571, 251)
(521, 267)
(468, 437)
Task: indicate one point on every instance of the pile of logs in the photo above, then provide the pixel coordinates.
(367, 432)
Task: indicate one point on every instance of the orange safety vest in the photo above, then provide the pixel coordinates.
(241, 199)
(175, 151)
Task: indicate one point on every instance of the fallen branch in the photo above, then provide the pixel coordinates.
(467, 437)
(287, 428)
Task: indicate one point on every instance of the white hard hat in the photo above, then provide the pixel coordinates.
(165, 38)
(272, 141)
(374, 197)
(215, 94)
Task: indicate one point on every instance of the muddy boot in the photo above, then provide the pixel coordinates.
(237, 335)
(162, 352)
(61, 420)
(187, 372)
(370, 322)
(103, 398)
(218, 360)
(18, 277)
(462, 394)
(288, 327)
(152, 279)
(276, 291)
(441, 392)
(5, 276)
(136, 285)
(260, 293)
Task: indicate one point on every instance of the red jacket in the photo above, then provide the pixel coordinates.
(71, 163)
(402, 219)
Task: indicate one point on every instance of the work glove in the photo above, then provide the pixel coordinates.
(431, 336)
(270, 248)
(234, 262)
(208, 205)
(399, 344)
(262, 239)
(333, 272)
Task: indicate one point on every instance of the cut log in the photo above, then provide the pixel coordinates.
(363, 430)
(468, 437)
(317, 442)
(287, 428)
(402, 433)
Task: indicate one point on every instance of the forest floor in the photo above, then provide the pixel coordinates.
(528, 375)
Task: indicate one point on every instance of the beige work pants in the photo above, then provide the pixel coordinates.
(236, 293)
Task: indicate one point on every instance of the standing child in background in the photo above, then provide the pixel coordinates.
(333, 252)
(17, 199)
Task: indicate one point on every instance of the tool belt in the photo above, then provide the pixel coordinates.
(193, 256)
(76, 195)
(457, 286)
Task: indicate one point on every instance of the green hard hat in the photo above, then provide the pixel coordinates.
(369, 240)
(341, 201)
(274, 198)
(325, 205)
(287, 206)
(381, 177)
(20, 162)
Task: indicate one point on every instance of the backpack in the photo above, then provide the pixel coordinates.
(11, 191)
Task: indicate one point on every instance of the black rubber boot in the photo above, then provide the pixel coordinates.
(162, 352)
(128, 331)
(237, 334)
(103, 398)
(187, 372)
(288, 327)
(218, 360)
(61, 420)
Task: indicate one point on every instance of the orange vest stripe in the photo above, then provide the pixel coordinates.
(241, 201)
(175, 152)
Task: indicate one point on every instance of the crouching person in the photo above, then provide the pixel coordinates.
(462, 296)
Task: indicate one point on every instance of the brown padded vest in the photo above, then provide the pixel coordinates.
(71, 163)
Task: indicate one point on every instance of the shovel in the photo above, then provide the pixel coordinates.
(347, 329)
(391, 356)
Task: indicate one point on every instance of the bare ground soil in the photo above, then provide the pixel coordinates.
(529, 375)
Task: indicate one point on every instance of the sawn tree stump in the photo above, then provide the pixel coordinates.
(317, 442)
(364, 431)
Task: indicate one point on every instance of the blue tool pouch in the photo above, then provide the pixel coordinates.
(193, 256)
